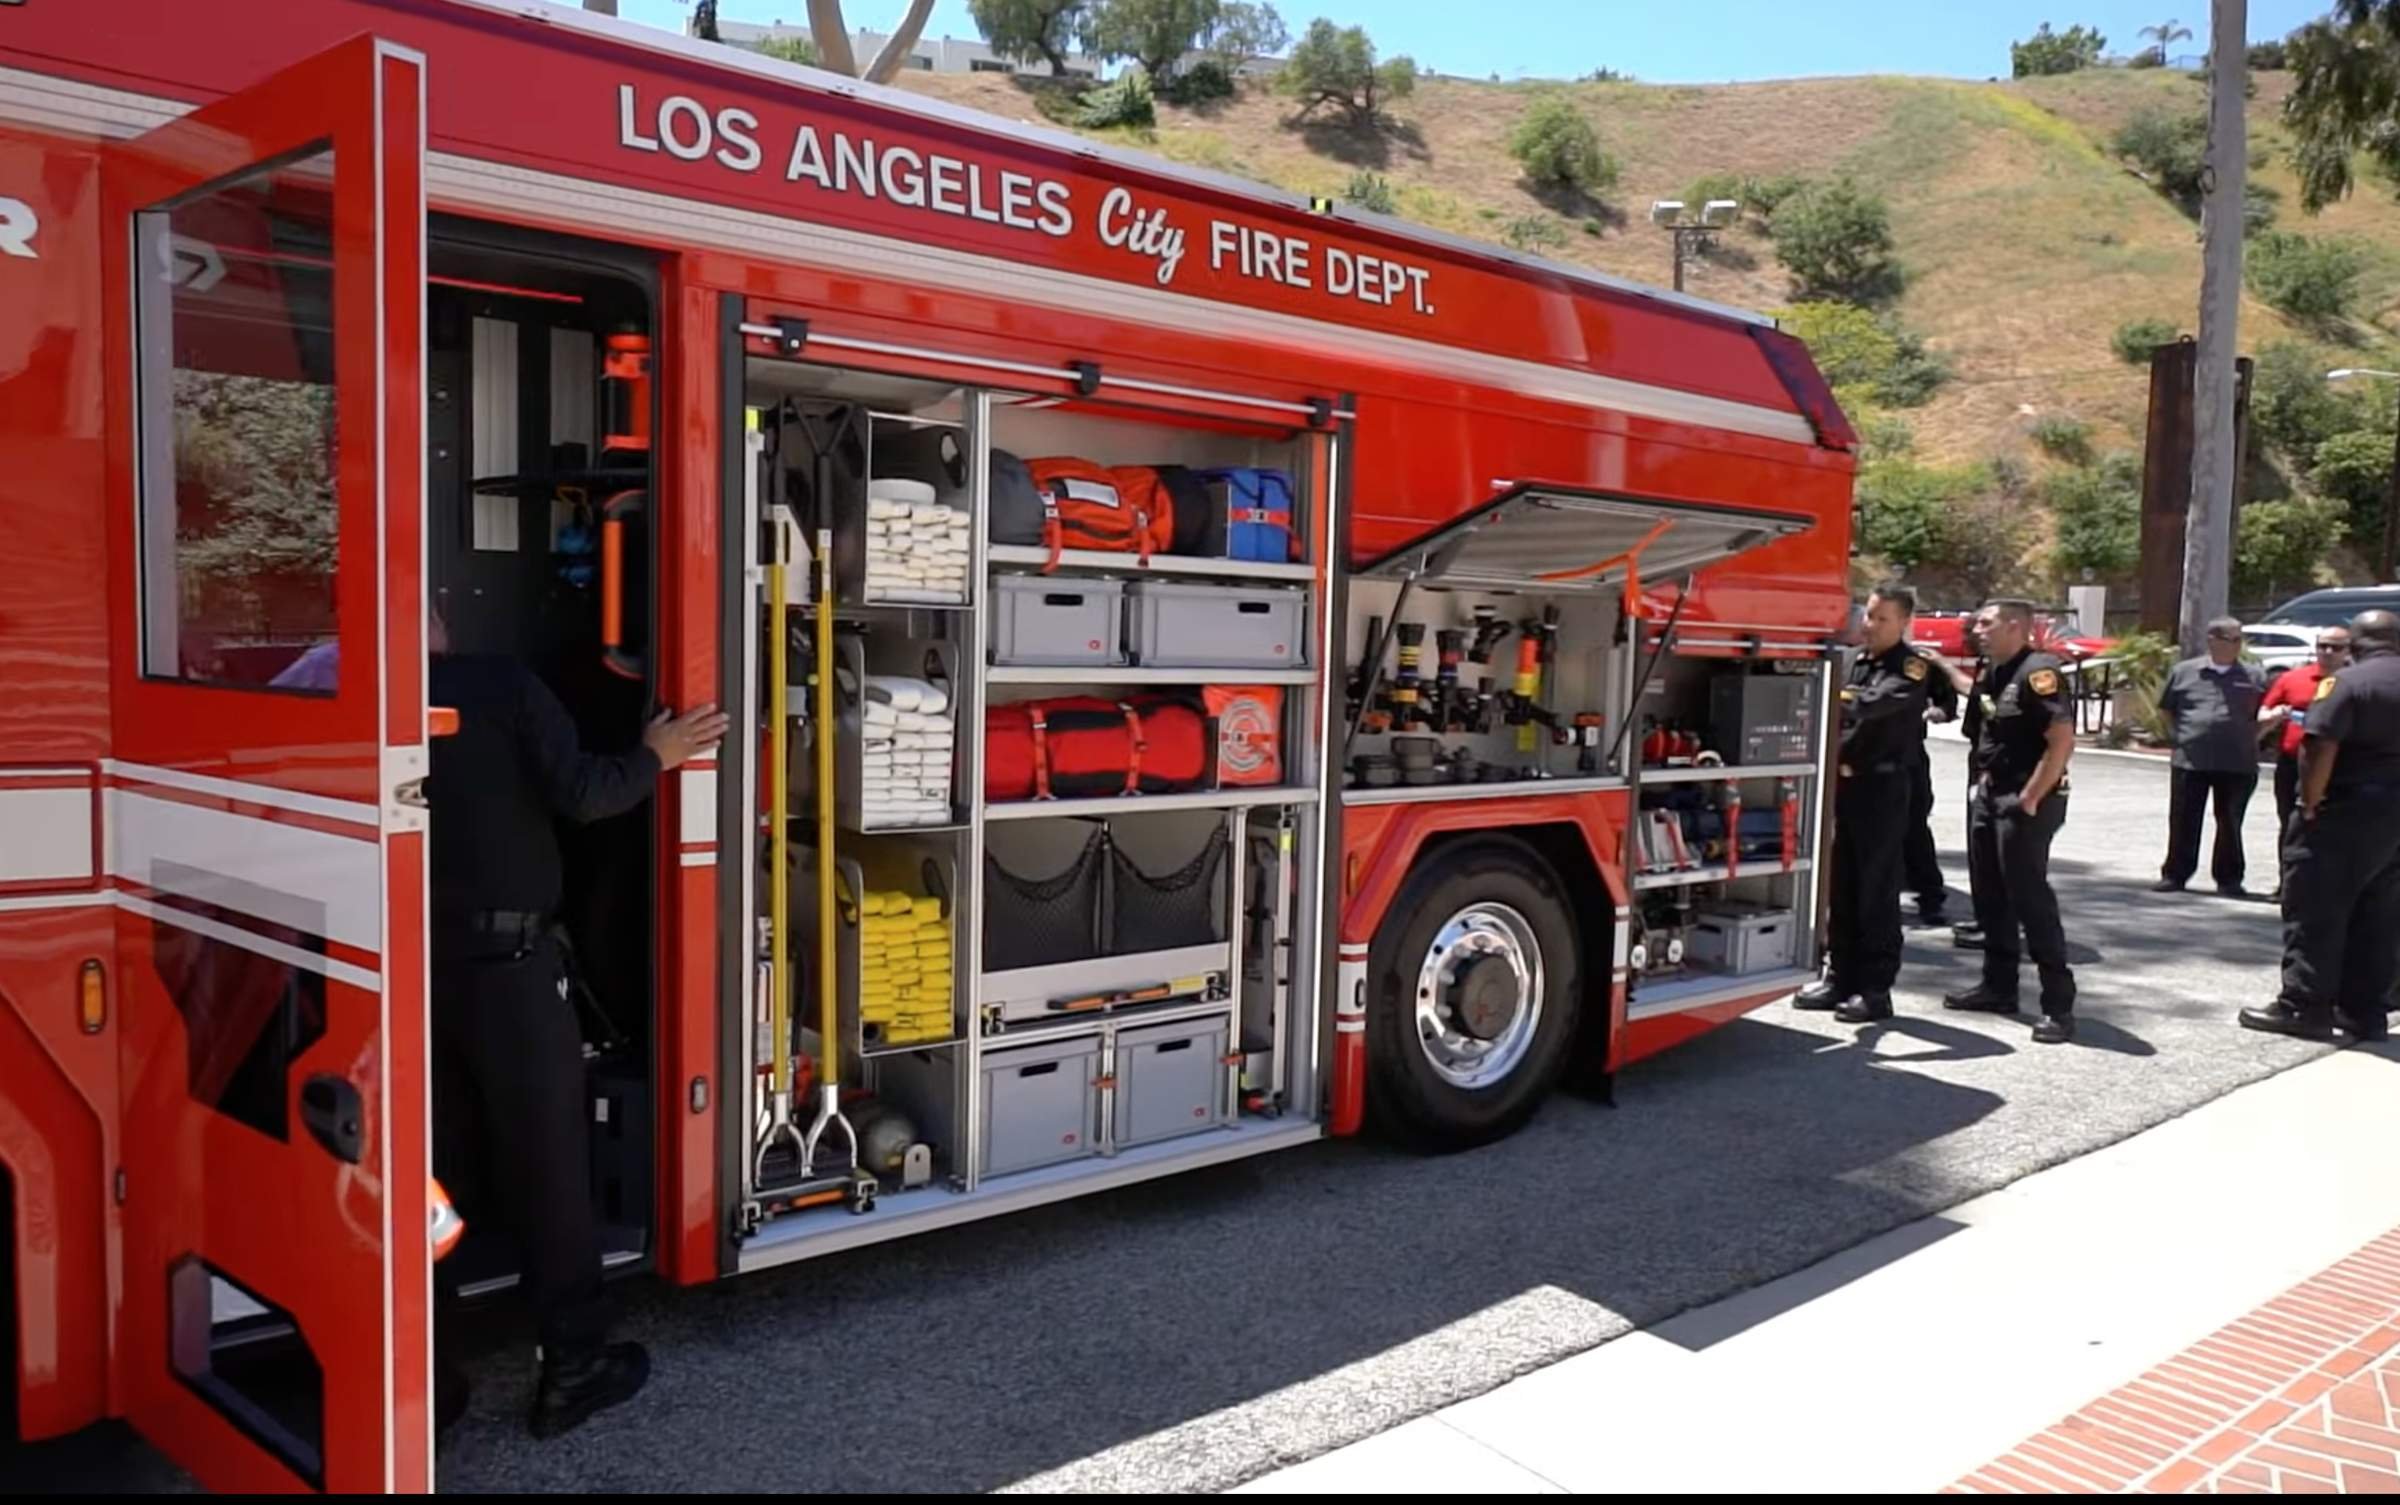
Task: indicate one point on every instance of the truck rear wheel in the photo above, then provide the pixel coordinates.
(1474, 982)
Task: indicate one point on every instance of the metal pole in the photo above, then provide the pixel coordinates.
(2208, 541)
(1676, 234)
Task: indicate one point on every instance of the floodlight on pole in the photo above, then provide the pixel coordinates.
(1689, 231)
(2390, 544)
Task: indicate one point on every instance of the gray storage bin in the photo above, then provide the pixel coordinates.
(1172, 625)
(1170, 1080)
(1743, 938)
(1041, 1105)
(1038, 619)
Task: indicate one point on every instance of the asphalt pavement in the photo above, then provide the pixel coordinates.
(1197, 1332)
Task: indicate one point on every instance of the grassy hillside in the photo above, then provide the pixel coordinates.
(2026, 242)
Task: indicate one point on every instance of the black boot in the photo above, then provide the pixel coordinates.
(1820, 995)
(2055, 1029)
(577, 1386)
(1866, 1008)
(2280, 1018)
(1982, 998)
(1967, 936)
(2367, 1029)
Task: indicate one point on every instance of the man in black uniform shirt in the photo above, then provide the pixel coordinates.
(2341, 853)
(1923, 865)
(1883, 727)
(508, 1053)
(2024, 734)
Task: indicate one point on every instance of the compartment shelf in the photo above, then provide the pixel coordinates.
(1703, 988)
(1101, 674)
(1137, 804)
(1718, 874)
(1160, 564)
(1728, 773)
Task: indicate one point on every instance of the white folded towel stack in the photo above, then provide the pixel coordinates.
(907, 746)
(916, 546)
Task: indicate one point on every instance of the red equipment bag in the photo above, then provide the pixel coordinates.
(1088, 506)
(1083, 747)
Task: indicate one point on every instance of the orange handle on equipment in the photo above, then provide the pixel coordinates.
(614, 514)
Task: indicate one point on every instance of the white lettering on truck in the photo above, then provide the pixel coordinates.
(18, 225)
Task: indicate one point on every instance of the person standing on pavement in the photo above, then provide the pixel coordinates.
(1967, 934)
(2213, 702)
(1921, 862)
(1883, 726)
(2341, 855)
(508, 1052)
(2285, 714)
(2024, 735)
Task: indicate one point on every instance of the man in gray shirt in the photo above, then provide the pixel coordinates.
(2212, 701)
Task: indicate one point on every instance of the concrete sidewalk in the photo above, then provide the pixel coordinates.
(1914, 1359)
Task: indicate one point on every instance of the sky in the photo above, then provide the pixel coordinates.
(1664, 43)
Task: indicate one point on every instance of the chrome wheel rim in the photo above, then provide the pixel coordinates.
(1479, 995)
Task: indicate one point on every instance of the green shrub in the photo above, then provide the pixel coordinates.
(1371, 191)
(1594, 228)
(2048, 52)
(1761, 196)
(2097, 510)
(2136, 338)
(2312, 279)
(2062, 436)
(1123, 101)
(2171, 149)
(1203, 83)
(1338, 66)
(2259, 204)
(1558, 148)
(1608, 76)
(790, 49)
(2278, 546)
(1715, 185)
(2292, 407)
(2269, 57)
(1836, 240)
(1870, 351)
(1908, 511)
(1881, 435)
(2355, 469)
(1534, 232)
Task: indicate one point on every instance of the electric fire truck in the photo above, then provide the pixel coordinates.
(1210, 670)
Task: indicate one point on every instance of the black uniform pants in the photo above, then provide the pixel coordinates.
(2191, 794)
(1871, 811)
(1918, 857)
(513, 1122)
(2287, 790)
(2008, 858)
(2341, 905)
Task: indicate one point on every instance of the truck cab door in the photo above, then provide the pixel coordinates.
(266, 831)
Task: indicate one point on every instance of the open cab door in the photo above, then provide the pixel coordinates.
(267, 833)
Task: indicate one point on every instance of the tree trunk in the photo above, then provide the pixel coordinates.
(831, 33)
(2208, 541)
(895, 52)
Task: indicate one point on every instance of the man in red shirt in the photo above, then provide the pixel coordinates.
(2286, 707)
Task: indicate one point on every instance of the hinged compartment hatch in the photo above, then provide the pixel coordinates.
(1539, 536)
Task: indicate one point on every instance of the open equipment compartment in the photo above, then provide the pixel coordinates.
(1159, 1007)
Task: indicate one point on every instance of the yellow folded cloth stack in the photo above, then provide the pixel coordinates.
(905, 968)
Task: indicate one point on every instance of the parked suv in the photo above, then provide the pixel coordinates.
(2335, 608)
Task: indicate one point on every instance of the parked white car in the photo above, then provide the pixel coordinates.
(2279, 645)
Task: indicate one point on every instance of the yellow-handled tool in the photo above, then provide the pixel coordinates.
(829, 1037)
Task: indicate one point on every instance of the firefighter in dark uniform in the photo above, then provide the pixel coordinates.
(2024, 735)
(1883, 725)
(1921, 861)
(2341, 852)
(508, 1050)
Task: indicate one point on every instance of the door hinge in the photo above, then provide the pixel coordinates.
(699, 1094)
(404, 803)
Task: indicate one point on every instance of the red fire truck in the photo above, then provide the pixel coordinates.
(1210, 669)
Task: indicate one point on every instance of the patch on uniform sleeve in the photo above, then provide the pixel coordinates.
(2044, 682)
(1914, 668)
(2324, 687)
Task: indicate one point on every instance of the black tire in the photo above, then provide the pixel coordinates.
(1408, 1099)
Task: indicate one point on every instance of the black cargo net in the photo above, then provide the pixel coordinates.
(1038, 922)
(1156, 912)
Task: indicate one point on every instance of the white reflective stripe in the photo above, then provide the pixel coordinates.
(353, 811)
(234, 935)
(613, 210)
(1350, 991)
(311, 881)
(698, 798)
(41, 771)
(9, 902)
(1623, 940)
(699, 859)
(46, 835)
(1349, 1026)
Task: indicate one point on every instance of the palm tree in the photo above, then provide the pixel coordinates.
(2171, 31)
(2345, 100)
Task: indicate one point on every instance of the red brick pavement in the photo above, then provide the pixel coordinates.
(2300, 1397)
